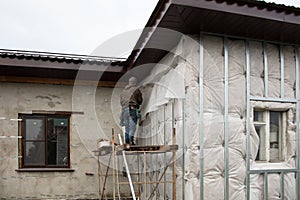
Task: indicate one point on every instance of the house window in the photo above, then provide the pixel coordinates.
(45, 141)
(271, 128)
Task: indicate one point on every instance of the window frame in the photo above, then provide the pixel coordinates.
(265, 152)
(22, 140)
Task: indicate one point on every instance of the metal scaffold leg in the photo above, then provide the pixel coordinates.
(127, 170)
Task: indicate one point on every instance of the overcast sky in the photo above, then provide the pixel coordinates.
(68, 26)
(73, 26)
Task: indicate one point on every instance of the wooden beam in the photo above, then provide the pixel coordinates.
(57, 112)
(18, 79)
(148, 148)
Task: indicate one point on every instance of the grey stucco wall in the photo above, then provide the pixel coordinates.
(23, 98)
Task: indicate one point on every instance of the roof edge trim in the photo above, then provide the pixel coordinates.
(253, 11)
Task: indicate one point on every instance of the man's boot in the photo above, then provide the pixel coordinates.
(127, 139)
(132, 140)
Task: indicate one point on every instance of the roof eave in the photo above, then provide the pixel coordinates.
(255, 9)
(249, 8)
(44, 65)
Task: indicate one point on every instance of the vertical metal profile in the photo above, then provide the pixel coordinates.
(173, 139)
(174, 166)
(165, 158)
(117, 172)
(173, 117)
(113, 171)
(139, 174)
(150, 139)
(145, 176)
(157, 157)
(266, 69)
(226, 156)
(266, 187)
(281, 72)
(183, 150)
(297, 121)
(282, 185)
(248, 120)
(201, 118)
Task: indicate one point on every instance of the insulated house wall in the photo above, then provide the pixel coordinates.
(18, 98)
(208, 104)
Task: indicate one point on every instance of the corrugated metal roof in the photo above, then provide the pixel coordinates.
(58, 57)
(286, 4)
(57, 68)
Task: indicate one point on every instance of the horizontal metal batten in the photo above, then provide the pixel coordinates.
(262, 171)
(250, 39)
(283, 100)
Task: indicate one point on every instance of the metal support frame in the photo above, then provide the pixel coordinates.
(297, 120)
(173, 141)
(127, 170)
(250, 98)
(163, 175)
(201, 118)
(116, 151)
(266, 73)
(280, 100)
(248, 121)
(156, 142)
(245, 38)
(114, 166)
(174, 166)
(145, 176)
(266, 185)
(281, 72)
(101, 179)
(226, 127)
(183, 149)
(117, 174)
(262, 171)
(165, 157)
(282, 185)
(281, 172)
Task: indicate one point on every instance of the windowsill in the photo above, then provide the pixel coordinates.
(45, 170)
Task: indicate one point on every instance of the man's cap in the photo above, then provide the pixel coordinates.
(132, 80)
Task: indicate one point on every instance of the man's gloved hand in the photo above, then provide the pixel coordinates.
(140, 122)
(138, 113)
